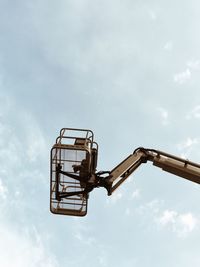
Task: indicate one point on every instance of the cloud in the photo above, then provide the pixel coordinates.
(19, 181)
(189, 142)
(168, 217)
(89, 240)
(168, 46)
(182, 77)
(185, 76)
(153, 15)
(113, 199)
(103, 261)
(188, 146)
(151, 208)
(83, 233)
(36, 143)
(24, 165)
(84, 238)
(180, 223)
(127, 212)
(21, 138)
(3, 190)
(136, 194)
(194, 64)
(22, 249)
(164, 115)
(194, 113)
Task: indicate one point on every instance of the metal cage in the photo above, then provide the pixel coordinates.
(73, 150)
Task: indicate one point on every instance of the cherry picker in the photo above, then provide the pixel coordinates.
(73, 170)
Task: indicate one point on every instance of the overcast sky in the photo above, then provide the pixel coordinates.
(129, 71)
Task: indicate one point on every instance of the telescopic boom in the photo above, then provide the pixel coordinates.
(74, 159)
(167, 162)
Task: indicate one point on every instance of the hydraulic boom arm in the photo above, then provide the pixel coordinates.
(73, 170)
(175, 165)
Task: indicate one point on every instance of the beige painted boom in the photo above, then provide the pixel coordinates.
(73, 170)
(167, 162)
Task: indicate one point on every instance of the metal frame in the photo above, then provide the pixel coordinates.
(73, 170)
(73, 200)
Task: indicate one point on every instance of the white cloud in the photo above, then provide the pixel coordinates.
(23, 181)
(20, 250)
(185, 76)
(153, 15)
(181, 224)
(3, 190)
(103, 259)
(188, 221)
(189, 142)
(114, 198)
(164, 114)
(168, 46)
(36, 144)
(188, 146)
(194, 113)
(194, 64)
(153, 12)
(86, 240)
(83, 233)
(150, 208)
(127, 212)
(168, 217)
(135, 194)
(22, 142)
(182, 77)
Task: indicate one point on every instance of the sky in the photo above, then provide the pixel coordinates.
(129, 71)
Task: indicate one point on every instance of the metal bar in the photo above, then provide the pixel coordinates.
(179, 168)
(127, 164)
(68, 160)
(78, 130)
(125, 176)
(170, 156)
(58, 168)
(66, 182)
(69, 194)
(67, 203)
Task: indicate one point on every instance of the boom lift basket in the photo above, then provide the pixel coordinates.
(73, 160)
(74, 176)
